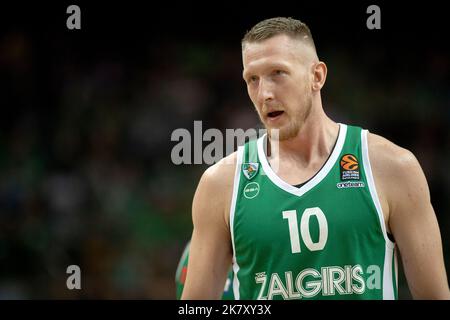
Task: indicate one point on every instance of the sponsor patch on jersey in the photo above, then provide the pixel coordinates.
(350, 184)
(251, 190)
(250, 169)
(349, 167)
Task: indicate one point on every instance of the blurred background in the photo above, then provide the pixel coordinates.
(86, 176)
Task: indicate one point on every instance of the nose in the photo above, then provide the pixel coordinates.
(265, 91)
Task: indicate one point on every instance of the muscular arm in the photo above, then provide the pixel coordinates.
(210, 250)
(411, 219)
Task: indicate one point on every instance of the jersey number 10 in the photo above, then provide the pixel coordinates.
(291, 216)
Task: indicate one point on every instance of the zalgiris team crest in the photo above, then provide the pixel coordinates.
(250, 169)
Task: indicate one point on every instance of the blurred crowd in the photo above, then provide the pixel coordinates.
(86, 176)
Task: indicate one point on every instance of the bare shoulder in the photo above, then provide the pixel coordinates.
(215, 188)
(221, 174)
(396, 170)
(389, 156)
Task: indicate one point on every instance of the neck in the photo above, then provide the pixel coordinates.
(313, 142)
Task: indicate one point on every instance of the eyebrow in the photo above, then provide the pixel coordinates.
(275, 65)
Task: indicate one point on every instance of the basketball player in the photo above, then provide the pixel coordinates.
(315, 209)
(180, 277)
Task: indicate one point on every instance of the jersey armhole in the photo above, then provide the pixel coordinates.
(372, 188)
(236, 182)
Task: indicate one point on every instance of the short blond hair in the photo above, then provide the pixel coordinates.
(280, 25)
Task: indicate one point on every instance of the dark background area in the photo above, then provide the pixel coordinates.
(86, 176)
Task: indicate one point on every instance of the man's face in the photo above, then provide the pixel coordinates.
(277, 74)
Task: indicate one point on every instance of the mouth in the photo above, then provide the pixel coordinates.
(274, 114)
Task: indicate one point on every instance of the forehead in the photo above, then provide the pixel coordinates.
(280, 48)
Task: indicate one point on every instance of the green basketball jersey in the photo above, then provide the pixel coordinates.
(324, 240)
(181, 272)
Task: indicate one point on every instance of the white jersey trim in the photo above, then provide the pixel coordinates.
(316, 179)
(372, 188)
(388, 285)
(237, 176)
(388, 281)
(396, 268)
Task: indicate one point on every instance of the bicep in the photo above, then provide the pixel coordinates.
(416, 230)
(210, 250)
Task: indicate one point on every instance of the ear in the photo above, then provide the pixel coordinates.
(319, 71)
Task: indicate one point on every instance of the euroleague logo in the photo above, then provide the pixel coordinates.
(349, 162)
(349, 166)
